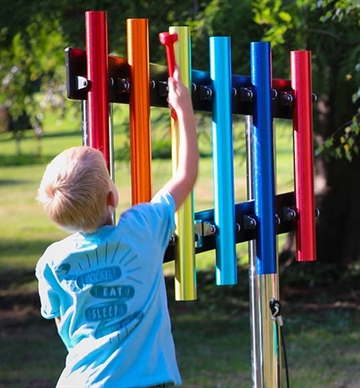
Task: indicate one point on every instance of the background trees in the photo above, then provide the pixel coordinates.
(330, 29)
(33, 36)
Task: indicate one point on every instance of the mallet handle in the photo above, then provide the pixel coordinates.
(168, 41)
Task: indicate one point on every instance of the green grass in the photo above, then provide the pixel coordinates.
(212, 342)
(316, 353)
(212, 333)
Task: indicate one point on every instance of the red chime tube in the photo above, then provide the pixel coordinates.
(97, 73)
(303, 155)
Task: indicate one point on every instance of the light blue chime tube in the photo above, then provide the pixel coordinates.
(263, 158)
(223, 162)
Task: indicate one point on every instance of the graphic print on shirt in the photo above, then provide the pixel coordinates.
(109, 306)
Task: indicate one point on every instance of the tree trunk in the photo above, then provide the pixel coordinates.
(338, 227)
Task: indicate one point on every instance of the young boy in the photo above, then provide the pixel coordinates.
(104, 284)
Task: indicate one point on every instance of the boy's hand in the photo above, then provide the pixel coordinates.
(183, 180)
(179, 97)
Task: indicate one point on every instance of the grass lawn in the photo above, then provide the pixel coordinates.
(212, 333)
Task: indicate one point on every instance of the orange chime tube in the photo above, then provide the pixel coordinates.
(139, 105)
(96, 37)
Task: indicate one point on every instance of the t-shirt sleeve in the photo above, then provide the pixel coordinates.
(150, 224)
(162, 221)
(49, 299)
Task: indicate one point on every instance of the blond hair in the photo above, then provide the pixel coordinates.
(75, 188)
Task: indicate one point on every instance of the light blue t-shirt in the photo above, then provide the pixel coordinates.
(108, 289)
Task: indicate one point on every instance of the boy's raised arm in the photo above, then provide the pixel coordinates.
(183, 181)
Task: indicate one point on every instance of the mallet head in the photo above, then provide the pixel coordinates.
(168, 39)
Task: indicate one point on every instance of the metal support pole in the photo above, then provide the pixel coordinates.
(254, 281)
(84, 123)
(111, 143)
(111, 151)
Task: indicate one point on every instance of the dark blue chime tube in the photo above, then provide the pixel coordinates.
(223, 160)
(263, 158)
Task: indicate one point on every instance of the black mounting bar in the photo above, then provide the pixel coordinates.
(245, 227)
(77, 86)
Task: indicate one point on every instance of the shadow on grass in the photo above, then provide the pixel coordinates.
(5, 182)
(26, 159)
(23, 160)
(11, 248)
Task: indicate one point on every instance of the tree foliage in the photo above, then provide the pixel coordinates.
(31, 63)
(33, 36)
(330, 29)
(344, 141)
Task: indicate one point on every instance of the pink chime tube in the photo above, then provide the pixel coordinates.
(300, 62)
(97, 74)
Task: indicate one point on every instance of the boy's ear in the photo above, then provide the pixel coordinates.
(111, 199)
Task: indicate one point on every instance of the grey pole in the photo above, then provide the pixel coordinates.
(265, 342)
(111, 143)
(84, 123)
(254, 284)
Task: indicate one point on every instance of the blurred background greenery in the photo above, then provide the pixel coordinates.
(37, 121)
